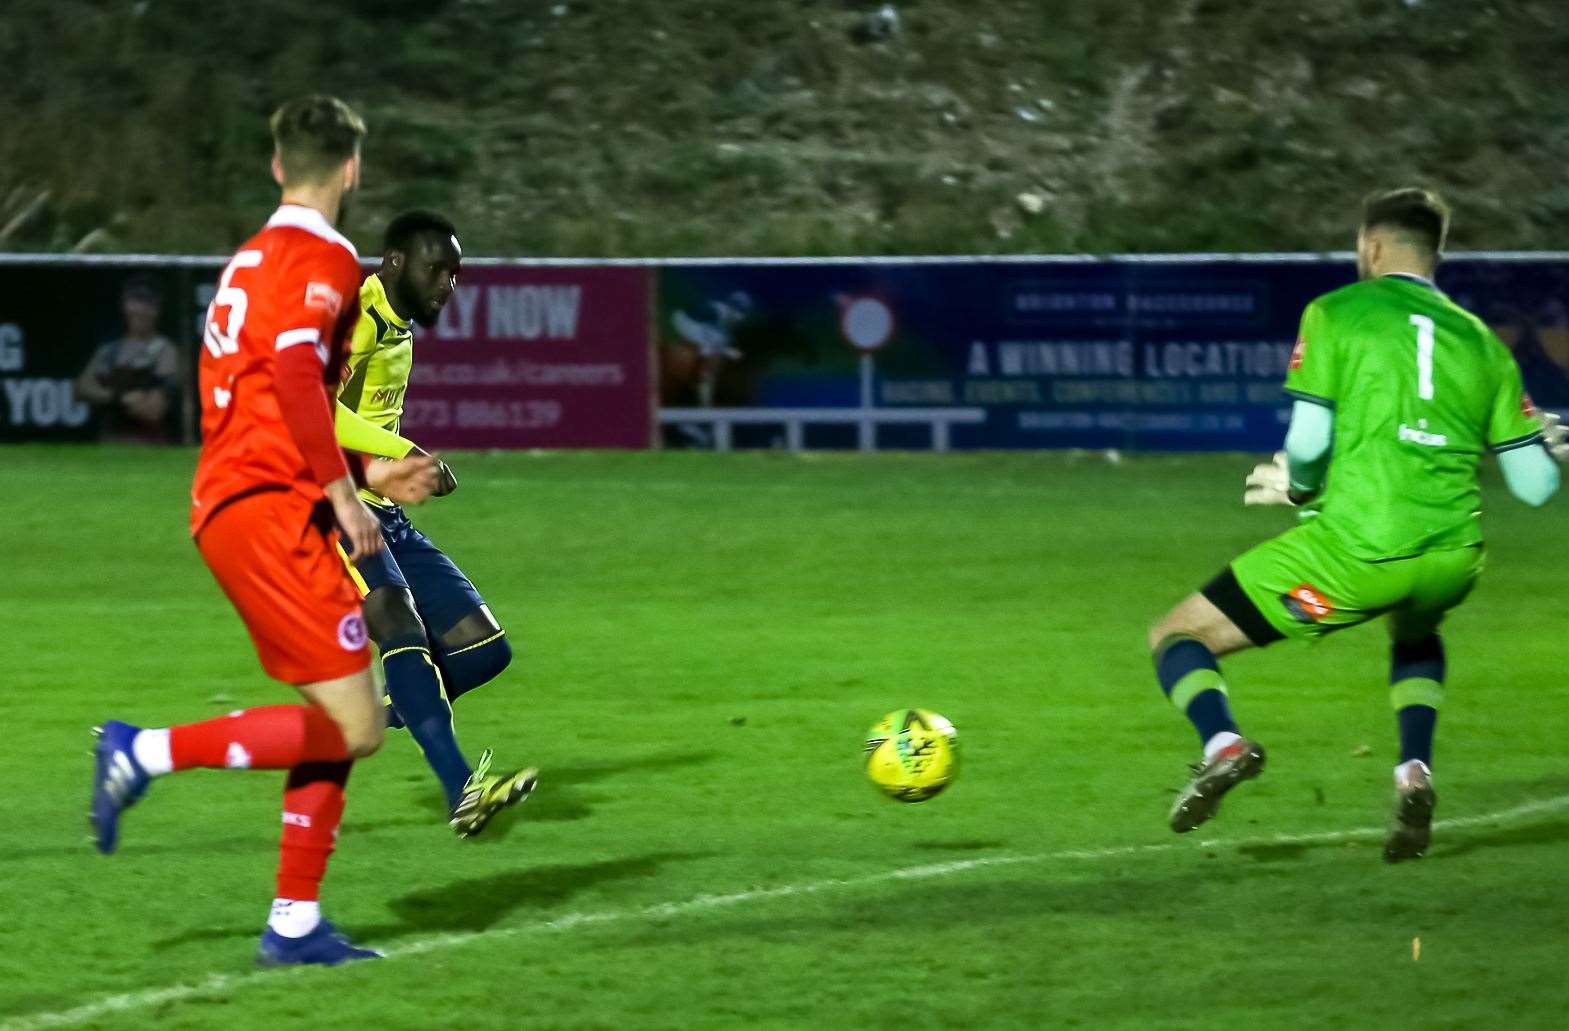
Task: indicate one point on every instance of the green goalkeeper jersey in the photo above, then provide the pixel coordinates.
(1419, 387)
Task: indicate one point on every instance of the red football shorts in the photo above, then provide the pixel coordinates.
(273, 554)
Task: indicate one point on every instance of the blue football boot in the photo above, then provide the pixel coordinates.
(118, 781)
(324, 946)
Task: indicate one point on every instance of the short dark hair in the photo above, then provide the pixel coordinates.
(142, 287)
(402, 230)
(1421, 215)
(314, 135)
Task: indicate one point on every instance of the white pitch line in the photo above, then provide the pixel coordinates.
(117, 1004)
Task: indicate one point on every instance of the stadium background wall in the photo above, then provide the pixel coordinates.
(1135, 352)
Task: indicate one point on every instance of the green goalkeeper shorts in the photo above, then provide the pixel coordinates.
(1306, 584)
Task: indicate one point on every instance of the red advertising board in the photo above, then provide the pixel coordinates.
(536, 357)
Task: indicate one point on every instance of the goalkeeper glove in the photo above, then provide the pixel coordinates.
(1554, 436)
(1269, 483)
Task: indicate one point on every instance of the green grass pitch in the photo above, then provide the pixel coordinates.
(702, 641)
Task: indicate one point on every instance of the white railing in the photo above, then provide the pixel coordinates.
(795, 421)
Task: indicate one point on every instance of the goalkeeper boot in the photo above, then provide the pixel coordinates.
(1239, 761)
(324, 946)
(1412, 826)
(118, 781)
(485, 794)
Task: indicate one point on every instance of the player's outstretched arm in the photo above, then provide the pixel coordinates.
(1530, 473)
(357, 433)
(1296, 474)
(1308, 441)
(446, 480)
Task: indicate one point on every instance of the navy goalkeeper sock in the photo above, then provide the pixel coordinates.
(1417, 723)
(1190, 677)
(414, 685)
(1416, 689)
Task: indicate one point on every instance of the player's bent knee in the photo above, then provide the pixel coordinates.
(1214, 638)
(499, 656)
(352, 704)
(1158, 633)
(1201, 619)
(473, 652)
(1169, 626)
(478, 664)
(391, 617)
(364, 738)
(477, 627)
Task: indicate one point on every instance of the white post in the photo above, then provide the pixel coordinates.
(794, 439)
(721, 434)
(868, 430)
(939, 434)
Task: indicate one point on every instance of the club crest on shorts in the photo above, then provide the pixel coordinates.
(1306, 604)
(351, 632)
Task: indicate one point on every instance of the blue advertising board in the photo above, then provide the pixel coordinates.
(1130, 352)
(1121, 353)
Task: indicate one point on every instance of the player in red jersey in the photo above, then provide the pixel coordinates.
(272, 492)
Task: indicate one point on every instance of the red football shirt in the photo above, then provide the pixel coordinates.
(294, 284)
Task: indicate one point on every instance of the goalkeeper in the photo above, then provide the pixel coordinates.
(437, 637)
(1398, 391)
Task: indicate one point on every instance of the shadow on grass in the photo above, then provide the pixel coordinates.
(482, 902)
(1551, 833)
(131, 846)
(1164, 898)
(1288, 850)
(1447, 844)
(1549, 825)
(559, 798)
(969, 845)
(477, 903)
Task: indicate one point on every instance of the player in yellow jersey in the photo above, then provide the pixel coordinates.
(437, 637)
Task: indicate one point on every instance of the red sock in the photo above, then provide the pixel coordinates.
(270, 737)
(312, 809)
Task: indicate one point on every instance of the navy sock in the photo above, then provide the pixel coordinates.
(1210, 715)
(1190, 677)
(1417, 723)
(394, 721)
(464, 669)
(414, 686)
(1416, 689)
(1417, 660)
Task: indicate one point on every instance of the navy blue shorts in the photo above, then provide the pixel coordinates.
(442, 594)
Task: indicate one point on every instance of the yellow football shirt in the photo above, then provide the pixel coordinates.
(376, 378)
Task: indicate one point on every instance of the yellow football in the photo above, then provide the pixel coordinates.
(912, 754)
